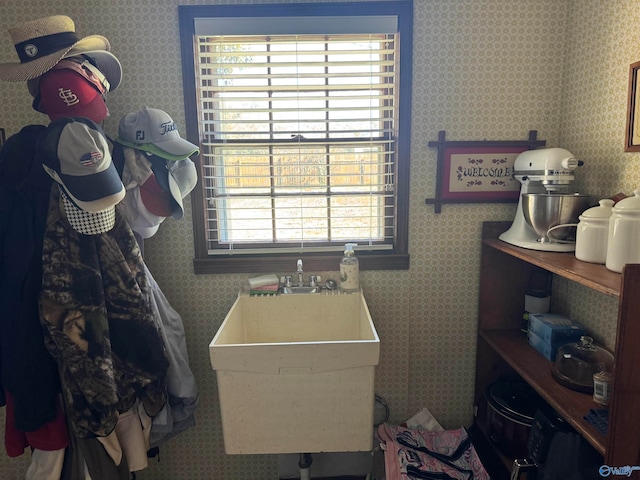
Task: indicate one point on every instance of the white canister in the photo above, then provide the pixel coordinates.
(592, 233)
(623, 243)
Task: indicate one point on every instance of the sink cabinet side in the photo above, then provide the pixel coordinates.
(231, 331)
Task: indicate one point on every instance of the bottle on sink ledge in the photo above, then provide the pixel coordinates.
(349, 270)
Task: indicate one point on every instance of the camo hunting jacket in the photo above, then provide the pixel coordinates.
(98, 323)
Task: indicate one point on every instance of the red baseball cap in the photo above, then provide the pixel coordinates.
(66, 93)
(155, 198)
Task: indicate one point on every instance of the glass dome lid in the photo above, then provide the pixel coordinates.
(577, 362)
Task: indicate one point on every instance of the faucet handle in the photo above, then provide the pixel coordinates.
(288, 281)
(313, 280)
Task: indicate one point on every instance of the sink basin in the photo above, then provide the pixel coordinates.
(295, 373)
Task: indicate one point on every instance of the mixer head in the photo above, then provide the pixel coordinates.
(552, 168)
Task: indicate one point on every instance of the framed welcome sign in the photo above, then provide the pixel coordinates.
(478, 171)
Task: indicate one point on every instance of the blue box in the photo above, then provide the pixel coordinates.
(545, 349)
(555, 329)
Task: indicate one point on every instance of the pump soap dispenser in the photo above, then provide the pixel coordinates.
(349, 270)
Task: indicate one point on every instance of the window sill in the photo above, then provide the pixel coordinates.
(287, 262)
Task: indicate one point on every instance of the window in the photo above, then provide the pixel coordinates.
(302, 114)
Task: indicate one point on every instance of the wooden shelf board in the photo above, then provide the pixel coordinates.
(512, 346)
(596, 277)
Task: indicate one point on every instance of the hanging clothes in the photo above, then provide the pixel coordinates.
(177, 415)
(27, 371)
(98, 323)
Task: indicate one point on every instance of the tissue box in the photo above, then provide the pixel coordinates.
(555, 329)
(548, 331)
(544, 348)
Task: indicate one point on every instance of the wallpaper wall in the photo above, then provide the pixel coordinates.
(483, 69)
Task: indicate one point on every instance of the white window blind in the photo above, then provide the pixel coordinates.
(297, 140)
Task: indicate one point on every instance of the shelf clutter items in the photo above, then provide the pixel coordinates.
(607, 234)
(503, 351)
(624, 228)
(579, 363)
(549, 331)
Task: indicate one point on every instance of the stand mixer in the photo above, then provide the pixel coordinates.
(547, 171)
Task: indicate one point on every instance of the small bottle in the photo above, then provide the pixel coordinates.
(349, 270)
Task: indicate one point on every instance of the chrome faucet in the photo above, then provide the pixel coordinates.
(300, 271)
(290, 285)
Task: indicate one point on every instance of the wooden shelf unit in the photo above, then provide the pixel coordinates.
(503, 351)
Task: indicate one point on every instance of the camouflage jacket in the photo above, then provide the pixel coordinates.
(98, 323)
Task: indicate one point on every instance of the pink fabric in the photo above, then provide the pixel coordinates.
(411, 454)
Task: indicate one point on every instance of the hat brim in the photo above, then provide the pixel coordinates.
(178, 178)
(88, 223)
(176, 197)
(94, 193)
(181, 149)
(98, 205)
(104, 61)
(182, 178)
(108, 64)
(21, 72)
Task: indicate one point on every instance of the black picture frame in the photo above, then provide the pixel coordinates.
(470, 171)
(632, 134)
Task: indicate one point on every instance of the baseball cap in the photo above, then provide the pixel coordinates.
(138, 175)
(138, 216)
(155, 198)
(100, 64)
(178, 178)
(75, 153)
(67, 93)
(154, 131)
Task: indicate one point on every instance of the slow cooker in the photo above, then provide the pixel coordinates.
(511, 408)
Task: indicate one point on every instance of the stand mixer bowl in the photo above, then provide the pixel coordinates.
(545, 210)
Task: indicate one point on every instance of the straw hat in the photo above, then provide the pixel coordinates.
(42, 43)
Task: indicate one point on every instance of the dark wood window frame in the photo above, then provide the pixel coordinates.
(395, 259)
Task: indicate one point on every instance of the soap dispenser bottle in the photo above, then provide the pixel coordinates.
(349, 270)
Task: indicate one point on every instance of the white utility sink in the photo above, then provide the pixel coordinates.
(295, 373)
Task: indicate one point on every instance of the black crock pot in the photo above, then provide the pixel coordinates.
(510, 412)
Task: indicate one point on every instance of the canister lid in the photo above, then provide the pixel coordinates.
(629, 203)
(602, 211)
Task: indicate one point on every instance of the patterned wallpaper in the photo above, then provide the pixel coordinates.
(483, 69)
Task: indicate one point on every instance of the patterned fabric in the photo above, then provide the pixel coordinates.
(88, 223)
(418, 454)
(95, 307)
